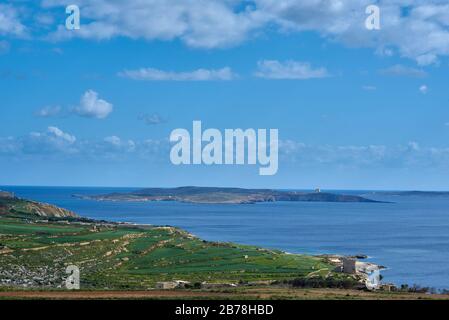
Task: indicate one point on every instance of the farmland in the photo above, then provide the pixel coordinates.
(36, 249)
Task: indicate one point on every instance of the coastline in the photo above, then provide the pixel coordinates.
(37, 219)
(256, 284)
(161, 214)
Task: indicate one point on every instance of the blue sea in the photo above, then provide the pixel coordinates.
(410, 235)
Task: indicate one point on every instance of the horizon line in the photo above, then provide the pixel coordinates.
(202, 186)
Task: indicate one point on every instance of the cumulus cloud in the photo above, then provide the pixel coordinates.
(422, 34)
(198, 23)
(56, 143)
(91, 106)
(50, 141)
(59, 134)
(399, 70)
(152, 74)
(293, 70)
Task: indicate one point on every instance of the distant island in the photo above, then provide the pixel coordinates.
(217, 195)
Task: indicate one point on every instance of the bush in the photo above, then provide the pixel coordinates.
(322, 283)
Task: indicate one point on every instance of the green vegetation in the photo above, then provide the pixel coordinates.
(34, 253)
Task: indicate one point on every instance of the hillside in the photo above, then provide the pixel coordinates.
(223, 195)
(10, 204)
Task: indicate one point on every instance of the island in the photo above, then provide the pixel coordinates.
(218, 195)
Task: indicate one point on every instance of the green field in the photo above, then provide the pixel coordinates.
(132, 257)
(35, 251)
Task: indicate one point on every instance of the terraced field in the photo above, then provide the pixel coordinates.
(35, 250)
(36, 254)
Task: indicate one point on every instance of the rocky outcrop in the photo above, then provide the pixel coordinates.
(47, 210)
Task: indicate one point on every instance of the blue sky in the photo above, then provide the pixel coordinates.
(355, 109)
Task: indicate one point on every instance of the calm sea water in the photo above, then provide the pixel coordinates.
(409, 236)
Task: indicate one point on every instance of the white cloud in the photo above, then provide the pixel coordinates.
(49, 111)
(273, 69)
(151, 74)
(399, 70)
(118, 143)
(198, 23)
(93, 107)
(422, 34)
(9, 146)
(10, 23)
(409, 155)
(423, 89)
(52, 141)
(57, 144)
(59, 134)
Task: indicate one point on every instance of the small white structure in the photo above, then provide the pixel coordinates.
(167, 285)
